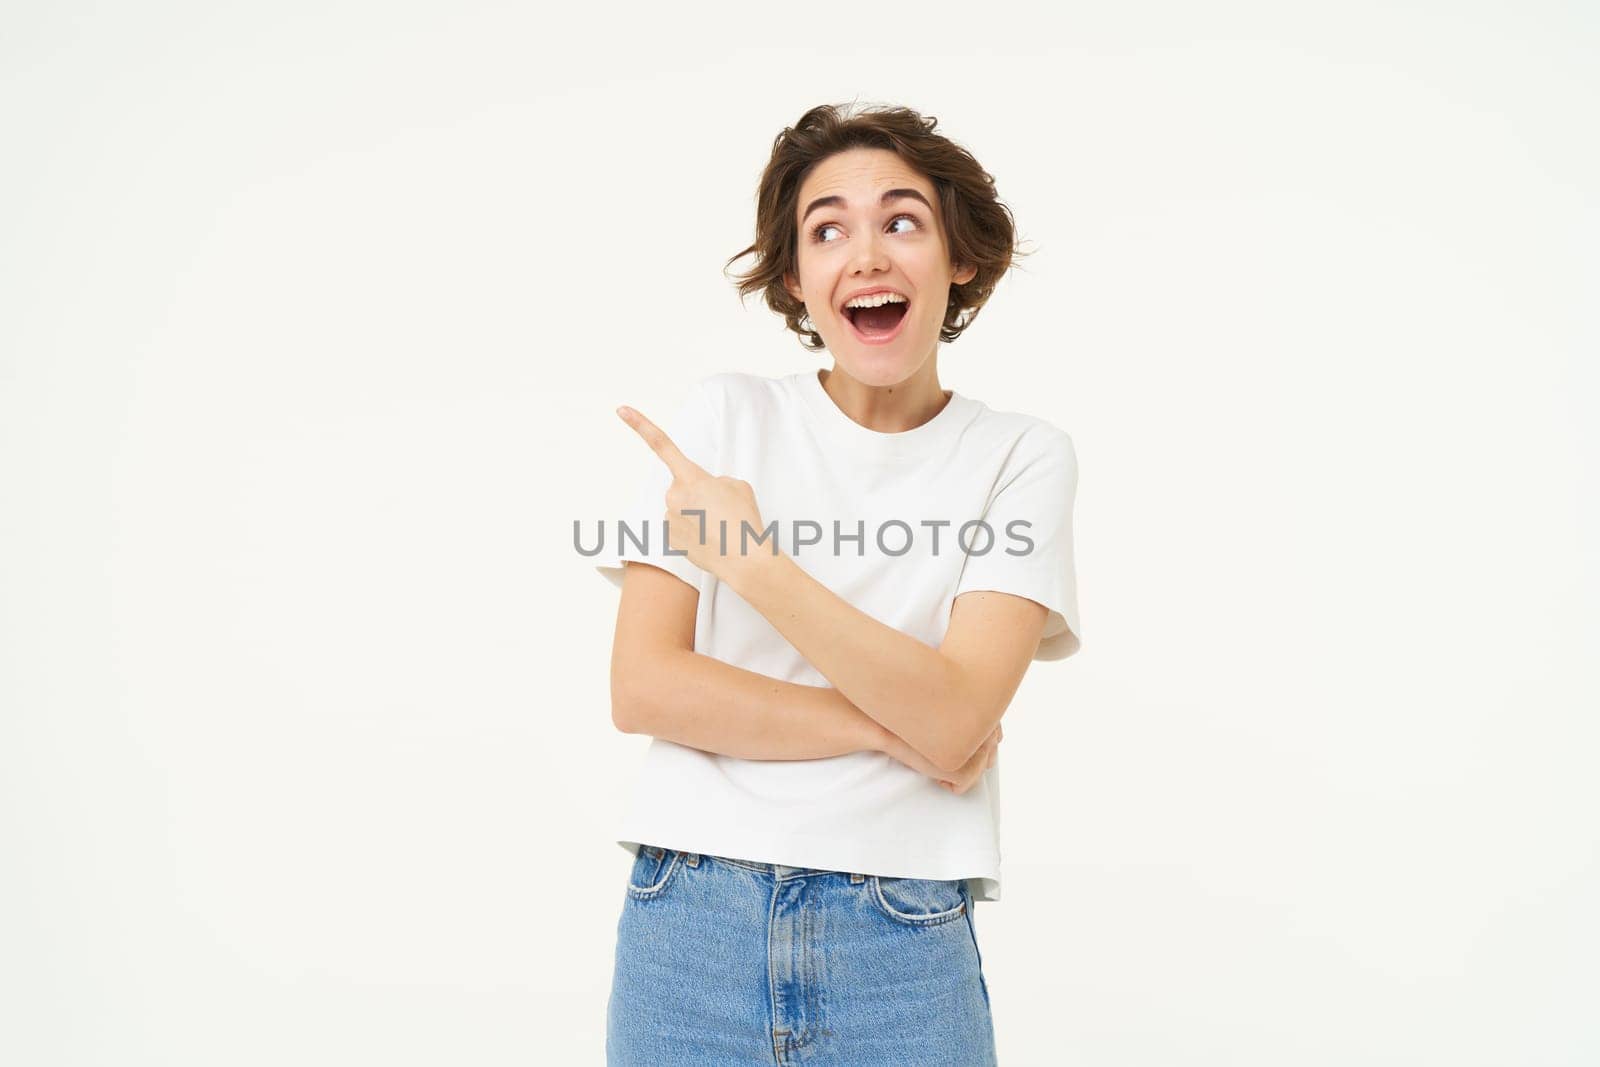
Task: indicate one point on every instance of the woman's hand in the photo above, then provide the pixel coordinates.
(957, 782)
(705, 513)
(973, 769)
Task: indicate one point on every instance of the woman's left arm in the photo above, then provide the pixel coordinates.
(944, 702)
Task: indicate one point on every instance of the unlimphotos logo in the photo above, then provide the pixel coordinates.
(893, 537)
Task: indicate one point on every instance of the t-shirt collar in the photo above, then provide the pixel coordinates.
(955, 414)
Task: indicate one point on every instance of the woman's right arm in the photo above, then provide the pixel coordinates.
(660, 686)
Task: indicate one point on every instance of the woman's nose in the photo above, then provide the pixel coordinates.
(869, 254)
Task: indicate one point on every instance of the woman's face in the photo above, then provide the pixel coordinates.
(851, 239)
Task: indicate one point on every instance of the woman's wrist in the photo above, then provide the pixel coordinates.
(863, 732)
(747, 574)
(875, 737)
(897, 748)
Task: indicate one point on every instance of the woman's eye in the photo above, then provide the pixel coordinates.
(816, 232)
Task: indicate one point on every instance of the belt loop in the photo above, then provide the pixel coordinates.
(857, 879)
(692, 858)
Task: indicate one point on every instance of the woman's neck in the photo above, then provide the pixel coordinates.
(887, 408)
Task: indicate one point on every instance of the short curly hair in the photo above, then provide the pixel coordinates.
(979, 228)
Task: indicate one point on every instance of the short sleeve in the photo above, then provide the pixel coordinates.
(1031, 553)
(693, 429)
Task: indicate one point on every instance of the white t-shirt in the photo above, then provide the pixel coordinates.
(904, 512)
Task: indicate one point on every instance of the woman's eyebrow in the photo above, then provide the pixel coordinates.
(883, 201)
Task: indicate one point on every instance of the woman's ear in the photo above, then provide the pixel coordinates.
(963, 275)
(793, 287)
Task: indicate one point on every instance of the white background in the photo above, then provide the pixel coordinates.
(313, 321)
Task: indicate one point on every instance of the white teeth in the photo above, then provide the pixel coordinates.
(876, 300)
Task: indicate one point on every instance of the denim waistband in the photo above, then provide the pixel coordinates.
(779, 871)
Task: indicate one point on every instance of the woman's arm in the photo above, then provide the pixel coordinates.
(660, 686)
(944, 702)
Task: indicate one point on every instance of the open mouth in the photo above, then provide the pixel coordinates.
(877, 325)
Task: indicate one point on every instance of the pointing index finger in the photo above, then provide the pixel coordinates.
(679, 464)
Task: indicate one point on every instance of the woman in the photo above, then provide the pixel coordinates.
(848, 573)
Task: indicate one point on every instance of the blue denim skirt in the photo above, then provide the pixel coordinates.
(728, 961)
